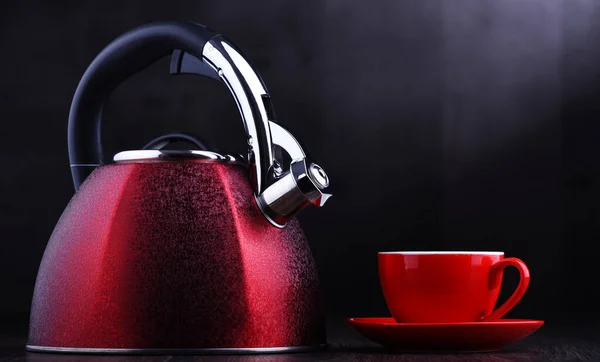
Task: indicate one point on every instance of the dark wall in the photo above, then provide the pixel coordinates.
(444, 125)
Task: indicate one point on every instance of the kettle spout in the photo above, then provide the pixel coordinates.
(322, 200)
(293, 188)
(300, 187)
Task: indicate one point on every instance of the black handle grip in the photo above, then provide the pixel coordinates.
(122, 58)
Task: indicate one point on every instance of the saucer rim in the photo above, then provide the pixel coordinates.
(392, 323)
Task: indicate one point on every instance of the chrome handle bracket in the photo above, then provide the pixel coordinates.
(283, 180)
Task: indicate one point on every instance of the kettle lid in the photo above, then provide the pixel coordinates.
(154, 151)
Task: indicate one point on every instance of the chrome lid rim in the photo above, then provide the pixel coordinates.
(138, 156)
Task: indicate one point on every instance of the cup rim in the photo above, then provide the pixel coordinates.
(443, 252)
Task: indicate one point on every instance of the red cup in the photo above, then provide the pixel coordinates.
(448, 286)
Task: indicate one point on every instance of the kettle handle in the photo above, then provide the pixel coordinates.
(139, 48)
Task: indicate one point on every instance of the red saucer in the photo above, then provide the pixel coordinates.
(455, 337)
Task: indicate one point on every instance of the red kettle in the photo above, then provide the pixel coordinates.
(172, 251)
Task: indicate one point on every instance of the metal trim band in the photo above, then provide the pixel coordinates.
(168, 351)
(137, 156)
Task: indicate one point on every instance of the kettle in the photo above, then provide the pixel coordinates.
(181, 251)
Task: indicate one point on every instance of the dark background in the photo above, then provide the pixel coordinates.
(444, 125)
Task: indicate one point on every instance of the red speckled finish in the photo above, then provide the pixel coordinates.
(447, 287)
(451, 337)
(174, 255)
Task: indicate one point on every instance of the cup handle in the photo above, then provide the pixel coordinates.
(495, 279)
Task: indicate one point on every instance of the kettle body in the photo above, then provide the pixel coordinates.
(191, 251)
(174, 255)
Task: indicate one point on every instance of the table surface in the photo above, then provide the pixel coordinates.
(550, 343)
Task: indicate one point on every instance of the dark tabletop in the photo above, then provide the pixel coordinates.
(550, 343)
